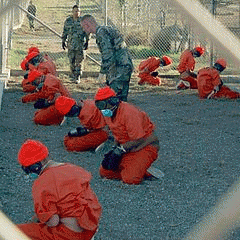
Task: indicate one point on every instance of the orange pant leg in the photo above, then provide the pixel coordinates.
(109, 174)
(86, 142)
(40, 231)
(48, 116)
(192, 81)
(226, 92)
(133, 166)
(148, 78)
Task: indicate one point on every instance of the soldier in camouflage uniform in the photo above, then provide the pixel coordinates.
(31, 9)
(77, 42)
(116, 62)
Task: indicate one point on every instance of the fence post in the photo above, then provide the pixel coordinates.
(211, 42)
(105, 12)
(1, 44)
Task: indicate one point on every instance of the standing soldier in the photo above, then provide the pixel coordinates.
(75, 34)
(31, 9)
(116, 62)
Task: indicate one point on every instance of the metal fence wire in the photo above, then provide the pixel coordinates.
(150, 28)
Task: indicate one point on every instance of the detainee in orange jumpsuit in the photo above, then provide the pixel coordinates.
(147, 70)
(210, 84)
(65, 205)
(136, 145)
(49, 88)
(186, 67)
(92, 134)
(36, 60)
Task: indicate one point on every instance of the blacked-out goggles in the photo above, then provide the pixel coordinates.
(101, 105)
(35, 168)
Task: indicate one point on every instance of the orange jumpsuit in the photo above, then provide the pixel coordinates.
(46, 66)
(63, 190)
(207, 79)
(49, 115)
(146, 67)
(186, 65)
(27, 86)
(131, 124)
(91, 118)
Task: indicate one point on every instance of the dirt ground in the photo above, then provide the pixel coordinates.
(199, 155)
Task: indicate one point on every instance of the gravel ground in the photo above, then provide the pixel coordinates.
(199, 155)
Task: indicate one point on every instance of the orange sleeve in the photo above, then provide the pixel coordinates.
(46, 67)
(33, 97)
(45, 198)
(216, 80)
(187, 62)
(139, 125)
(150, 64)
(90, 117)
(51, 86)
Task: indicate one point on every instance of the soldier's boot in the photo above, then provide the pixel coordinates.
(77, 75)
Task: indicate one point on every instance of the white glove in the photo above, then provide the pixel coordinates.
(101, 78)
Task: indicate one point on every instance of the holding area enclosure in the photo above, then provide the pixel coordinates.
(199, 142)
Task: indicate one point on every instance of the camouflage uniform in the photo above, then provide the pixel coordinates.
(31, 9)
(75, 34)
(116, 61)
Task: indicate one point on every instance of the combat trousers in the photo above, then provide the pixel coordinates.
(75, 59)
(118, 79)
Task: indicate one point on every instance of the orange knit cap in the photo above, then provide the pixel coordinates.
(33, 49)
(167, 60)
(201, 50)
(31, 152)
(222, 62)
(104, 93)
(34, 74)
(31, 55)
(64, 104)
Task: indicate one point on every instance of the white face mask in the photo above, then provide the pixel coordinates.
(33, 176)
(107, 112)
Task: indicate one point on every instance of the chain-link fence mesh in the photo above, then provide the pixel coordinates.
(150, 28)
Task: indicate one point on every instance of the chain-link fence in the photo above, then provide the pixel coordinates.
(150, 28)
